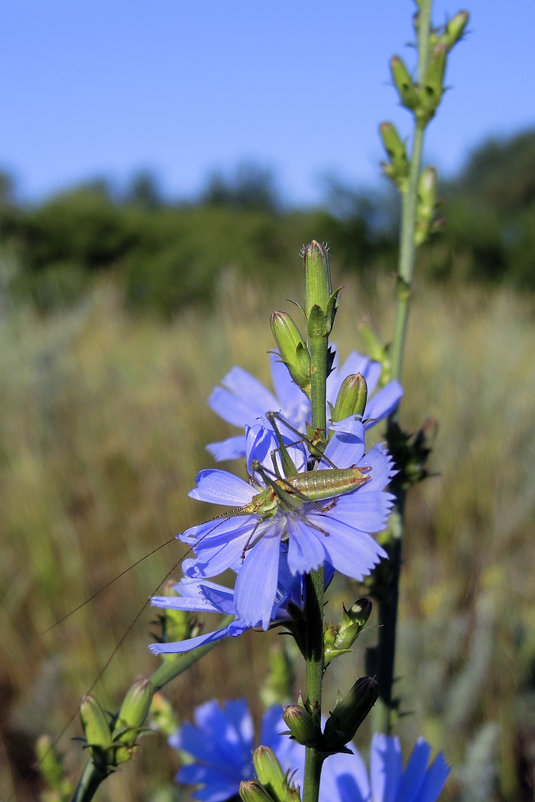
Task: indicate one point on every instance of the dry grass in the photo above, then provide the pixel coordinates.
(102, 430)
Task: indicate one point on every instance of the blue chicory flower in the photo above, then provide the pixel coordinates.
(242, 399)
(345, 778)
(197, 595)
(221, 741)
(335, 532)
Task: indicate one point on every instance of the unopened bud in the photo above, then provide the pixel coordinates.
(135, 706)
(292, 347)
(130, 719)
(318, 283)
(398, 167)
(351, 399)
(252, 791)
(269, 772)
(427, 204)
(434, 83)
(320, 300)
(304, 727)
(349, 713)
(97, 731)
(407, 91)
(454, 29)
(339, 640)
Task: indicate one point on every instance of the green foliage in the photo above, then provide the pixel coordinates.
(167, 257)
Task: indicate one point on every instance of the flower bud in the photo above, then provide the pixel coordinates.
(252, 791)
(454, 29)
(318, 284)
(398, 167)
(133, 712)
(292, 347)
(97, 732)
(433, 83)
(269, 772)
(304, 728)
(427, 204)
(351, 399)
(349, 713)
(135, 706)
(320, 300)
(407, 91)
(340, 639)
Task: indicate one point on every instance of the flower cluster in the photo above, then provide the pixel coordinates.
(285, 522)
(221, 743)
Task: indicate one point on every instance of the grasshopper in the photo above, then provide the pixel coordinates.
(283, 489)
(287, 489)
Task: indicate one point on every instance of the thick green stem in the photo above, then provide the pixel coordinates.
(386, 708)
(315, 583)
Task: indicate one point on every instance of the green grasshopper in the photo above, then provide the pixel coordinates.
(291, 489)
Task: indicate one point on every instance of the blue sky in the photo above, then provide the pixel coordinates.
(181, 87)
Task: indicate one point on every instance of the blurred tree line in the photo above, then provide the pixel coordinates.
(168, 255)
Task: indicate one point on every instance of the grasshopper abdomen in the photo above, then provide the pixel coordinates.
(326, 483)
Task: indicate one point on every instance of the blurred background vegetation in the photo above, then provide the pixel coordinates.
(121, 311)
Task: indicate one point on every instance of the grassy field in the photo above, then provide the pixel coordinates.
(102, 429)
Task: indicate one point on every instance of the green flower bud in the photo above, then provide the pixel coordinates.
(349, 713)
(351, 399)
(407, 91)
(434, 83)
(135, 706)
(292, 347)
(269, 772)
(427, 204)
(252, 791)
(454, 29)
(130, 719)
(398, 167)
(320, 301)
(339, 640)
(97, 732)
(303, 726)
(318, 284)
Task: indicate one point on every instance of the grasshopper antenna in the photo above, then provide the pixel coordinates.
(107, 584)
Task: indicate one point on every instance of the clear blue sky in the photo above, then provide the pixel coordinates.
(180, 87)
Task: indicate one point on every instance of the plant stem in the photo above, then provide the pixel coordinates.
(315, 583)
(386, 707)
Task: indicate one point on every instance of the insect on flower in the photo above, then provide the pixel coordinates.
(287, 507)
